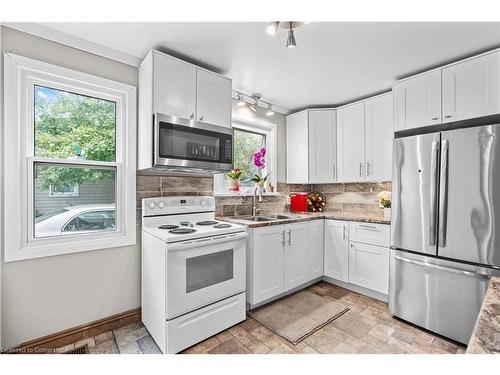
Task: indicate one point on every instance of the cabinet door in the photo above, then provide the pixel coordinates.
(417, 101)
(297, 148)
(296, 253)
(379, 133)
(174, 86)
(336, 263)
(268, 262)
(472, 88)
(369, 266)
(315, 251)
(322, 146)
(351, 143)
(213, 101)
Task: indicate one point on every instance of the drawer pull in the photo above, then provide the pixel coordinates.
(367, 226)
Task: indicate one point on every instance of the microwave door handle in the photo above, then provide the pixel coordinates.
(443, 194)
(433, 193)
(187, 245)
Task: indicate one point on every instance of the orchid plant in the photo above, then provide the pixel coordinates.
(260, 162)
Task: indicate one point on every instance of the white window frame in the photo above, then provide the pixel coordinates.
(20, 76)
(57, 194)
(270, 130)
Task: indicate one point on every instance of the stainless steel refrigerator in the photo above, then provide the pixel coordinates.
(445, 230)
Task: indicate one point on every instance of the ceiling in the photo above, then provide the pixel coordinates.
(333, 63)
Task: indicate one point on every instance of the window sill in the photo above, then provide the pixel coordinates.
(229, 194)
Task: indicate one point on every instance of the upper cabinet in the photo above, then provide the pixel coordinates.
(322, 146)
(311, 146)
(297, 166)
(463, 90)
(378, 137)
(213, 98)
(174, 86)
(472, 88)
(417, 101)
(351, 142)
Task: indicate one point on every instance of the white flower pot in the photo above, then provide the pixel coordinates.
(387, 213)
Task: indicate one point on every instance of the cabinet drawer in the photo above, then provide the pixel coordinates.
(374, 234)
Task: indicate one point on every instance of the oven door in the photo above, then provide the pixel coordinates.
(204, 271)
(185, 145)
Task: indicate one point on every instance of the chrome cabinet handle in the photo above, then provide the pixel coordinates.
(442, 268)
(289, 237)
(367, 226)
(443, 194)
(368, 165)
(434, 118)
(343, 232)
(192, 116)
(447, 116)
(283, 238)
(433, 194)
(360, 169)
(334, 170)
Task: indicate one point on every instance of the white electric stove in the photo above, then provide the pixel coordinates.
(193, 271)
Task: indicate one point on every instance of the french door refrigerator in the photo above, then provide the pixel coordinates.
(445, 230)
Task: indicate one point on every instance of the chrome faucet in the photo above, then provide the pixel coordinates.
(254, 209)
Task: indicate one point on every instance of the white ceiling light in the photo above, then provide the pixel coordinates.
(270, 111)
(272, 29)
(241, 101)
(255, 98)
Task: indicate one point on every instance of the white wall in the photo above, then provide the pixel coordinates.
(278, 119)
(47, 295)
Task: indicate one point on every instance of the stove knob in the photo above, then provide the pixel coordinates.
(203, 203)
(161, 205)
(209, 202)
(152, 205)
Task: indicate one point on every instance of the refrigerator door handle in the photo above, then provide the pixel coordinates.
(442, 268)
(433, 193)
(443, 194)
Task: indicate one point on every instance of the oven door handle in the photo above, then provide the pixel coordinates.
(183, 245)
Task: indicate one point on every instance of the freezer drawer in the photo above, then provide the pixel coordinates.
(442, 296)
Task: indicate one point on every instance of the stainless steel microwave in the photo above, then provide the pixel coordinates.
(182, 145)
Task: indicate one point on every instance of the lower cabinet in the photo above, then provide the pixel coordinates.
(369, 266)
(336, 250)
(283, 257)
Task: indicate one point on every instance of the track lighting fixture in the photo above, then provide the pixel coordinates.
(255, 97)
(272, 27)
(270, 111)
(290, 41)
(241, 101)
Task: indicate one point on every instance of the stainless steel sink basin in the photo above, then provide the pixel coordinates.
(262, 218)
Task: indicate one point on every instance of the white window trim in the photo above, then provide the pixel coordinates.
(270, 129)
(58, 194)
(19, 73)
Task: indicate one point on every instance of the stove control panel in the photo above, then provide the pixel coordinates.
(177, 205)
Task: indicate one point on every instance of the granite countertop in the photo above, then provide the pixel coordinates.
(297, 217)
(486, 335)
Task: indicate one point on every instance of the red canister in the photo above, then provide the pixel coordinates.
(298, 202)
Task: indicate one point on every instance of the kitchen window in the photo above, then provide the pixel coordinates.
(249, 137)
(70, 148)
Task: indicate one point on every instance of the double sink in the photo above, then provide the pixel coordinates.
(262, 218)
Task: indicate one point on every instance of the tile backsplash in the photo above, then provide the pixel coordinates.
(351, 197)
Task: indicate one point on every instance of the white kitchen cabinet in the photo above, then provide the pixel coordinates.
(351, 143)
(213, 100)
(267, 263)
(174, 86)
(369, 266)
(296, 254)
(472, 88)
(297, 154)
(336, 251)
(379, 132)
(417, 101)
(322, 146)
(315, 249)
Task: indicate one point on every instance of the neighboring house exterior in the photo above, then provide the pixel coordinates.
(47, 200)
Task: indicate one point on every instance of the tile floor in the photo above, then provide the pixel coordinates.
(366, 328)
